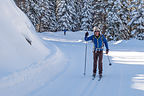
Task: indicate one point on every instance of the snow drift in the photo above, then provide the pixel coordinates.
(19, 46)
(26, 62)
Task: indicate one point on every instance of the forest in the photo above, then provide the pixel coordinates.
(118, 19)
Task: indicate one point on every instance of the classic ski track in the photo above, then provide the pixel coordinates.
(96, 84)
(90, 87)
(32, 74)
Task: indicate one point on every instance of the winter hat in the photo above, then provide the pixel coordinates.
(96, 29)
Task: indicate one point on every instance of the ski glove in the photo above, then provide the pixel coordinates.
(107, 51)
(86, 34)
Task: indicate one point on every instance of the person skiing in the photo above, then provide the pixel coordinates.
(65, 31)
(99, 40)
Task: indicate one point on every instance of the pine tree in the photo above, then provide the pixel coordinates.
(29, 7)
(20, 3)
(66, 15)
(117, 28)
(41, 13)
(140, 27)
(52, 16)
(100, 14)
(122, 19)
(47, 17)
(73, 16)
(97, 12)
(137, 19)
(78, 8)
(86, 15)
(37, 14)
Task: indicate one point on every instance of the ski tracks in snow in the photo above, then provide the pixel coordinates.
(90, 87)
(34, 76)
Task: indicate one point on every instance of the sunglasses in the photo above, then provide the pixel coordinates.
(97, 31)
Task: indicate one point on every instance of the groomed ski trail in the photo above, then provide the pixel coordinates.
(72, 82)
(33, 77)
(118, 79)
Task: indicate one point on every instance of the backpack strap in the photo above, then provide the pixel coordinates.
(102, 41)
(93, 38)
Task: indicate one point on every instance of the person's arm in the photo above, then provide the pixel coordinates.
(106, 44)
(88, 38)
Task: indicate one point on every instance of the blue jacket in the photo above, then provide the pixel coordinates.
(98, 42)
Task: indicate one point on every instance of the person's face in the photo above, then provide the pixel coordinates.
(97, 33)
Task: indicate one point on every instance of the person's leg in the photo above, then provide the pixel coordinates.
(95, 56)
(100, 62)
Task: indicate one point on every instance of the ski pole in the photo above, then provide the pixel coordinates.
(85, 58)
(109, 60)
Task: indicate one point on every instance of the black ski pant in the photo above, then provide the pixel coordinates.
(98, 57)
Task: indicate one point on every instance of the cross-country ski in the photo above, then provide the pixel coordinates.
(93, 77)
(100, 77)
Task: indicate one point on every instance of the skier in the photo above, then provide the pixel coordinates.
(99, 40)
(65, 31)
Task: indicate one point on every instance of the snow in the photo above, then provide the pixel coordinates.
(123, 78)
(53, 65)
(20, 62)
(15, 28)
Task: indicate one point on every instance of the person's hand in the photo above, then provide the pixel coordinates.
(107, 51)
(86, 34)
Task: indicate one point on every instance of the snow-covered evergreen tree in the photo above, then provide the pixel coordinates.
(137, 19)
(21, 3)
(78, 8)
(66, 15)
(86, 22)
(52, 16)
(73, 15)
(122, 18)
(30, 11)
(30, 8)
(117, 21)
(41, 13)
(47, 17)
(100, 14)
(38, 13)
(97, 13)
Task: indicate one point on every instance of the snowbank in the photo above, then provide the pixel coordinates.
(19, 46)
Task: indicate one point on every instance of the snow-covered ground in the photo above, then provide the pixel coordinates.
(53, 64)
(24, 59)
(15, 28)
(124, 78)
